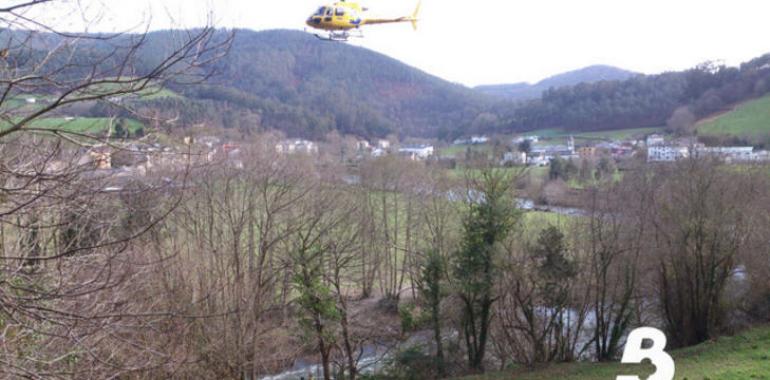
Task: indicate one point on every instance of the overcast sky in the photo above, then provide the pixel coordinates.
(499, 41)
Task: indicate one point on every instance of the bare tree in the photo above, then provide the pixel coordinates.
(704, 217)
(681, 121)
(614, 234)
(75, 279)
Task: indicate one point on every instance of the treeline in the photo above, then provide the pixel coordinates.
(642, 101)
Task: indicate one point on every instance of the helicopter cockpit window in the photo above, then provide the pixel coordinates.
(320, 11)
(340, 12)
(329, 11)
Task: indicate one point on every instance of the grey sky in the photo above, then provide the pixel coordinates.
(501, 41)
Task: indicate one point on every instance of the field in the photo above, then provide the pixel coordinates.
(745, 356)
(751, 119)
(559, 136)
(151, 92)
(87, 125)
(458, 151)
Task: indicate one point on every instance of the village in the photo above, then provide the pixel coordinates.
(133, 158)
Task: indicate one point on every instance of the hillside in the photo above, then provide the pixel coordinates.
(336, 86)
(524, 91)
(745, 356)
(749, 121)
(292, 82)
(642, 101)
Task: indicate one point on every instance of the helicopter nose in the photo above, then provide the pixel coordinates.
(313, 21)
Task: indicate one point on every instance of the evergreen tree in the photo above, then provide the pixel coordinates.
(488, 222)
(432, 292)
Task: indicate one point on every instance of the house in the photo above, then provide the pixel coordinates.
(416, 152)
(363, 145)
(383, 144)
(655, 140)
(296, 146)
(521, 139)
(666, 153)
(538, 159)
(208, 141)
(587, 151)
(516, 158)
(479, 140)
(762, 156)
(728, 153)
(99, 157)
(543, 155)
(622, 151)
(474, 140)
(377, 152)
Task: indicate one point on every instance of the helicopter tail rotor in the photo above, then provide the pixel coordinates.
(415, 14)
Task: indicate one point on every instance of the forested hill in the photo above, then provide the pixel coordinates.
(307, 87)
(641, 101)
(524, 91)
(292, 82)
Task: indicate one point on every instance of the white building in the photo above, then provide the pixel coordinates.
(542, 156)
(516, 158)
(728, 153)
(416, 152)
(296, 146)
(363, 145)
(539, 159)
(662, 153)
(655, 140)
(474, 140)
(377, 152)
(479, 139)
(521, 139)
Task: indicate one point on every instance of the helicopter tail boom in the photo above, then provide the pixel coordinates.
(412, 19)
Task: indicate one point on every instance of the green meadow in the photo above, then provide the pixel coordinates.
(748, 120)
(81, 125)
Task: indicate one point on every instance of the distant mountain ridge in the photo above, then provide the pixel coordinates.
(525, 91)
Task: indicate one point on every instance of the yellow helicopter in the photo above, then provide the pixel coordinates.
(340, 18)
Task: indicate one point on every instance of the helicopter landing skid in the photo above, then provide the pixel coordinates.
(339, 36)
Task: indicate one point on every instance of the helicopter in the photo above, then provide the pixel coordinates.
(340, 18)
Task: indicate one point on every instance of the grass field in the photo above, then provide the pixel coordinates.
(458, 151)
(151, 92)
(85, 125)
(621, 134)
(155, 93)
(750, 119)
(742, 357)
(559, 136)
